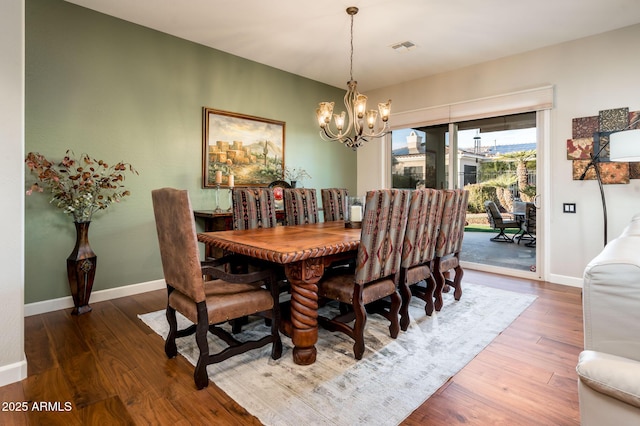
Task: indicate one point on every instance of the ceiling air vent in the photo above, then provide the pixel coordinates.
(403, 47)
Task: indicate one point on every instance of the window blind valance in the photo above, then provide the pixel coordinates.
(537, 99)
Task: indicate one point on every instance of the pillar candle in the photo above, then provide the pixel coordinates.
(356, 213)
(218, 176)
(231, 181)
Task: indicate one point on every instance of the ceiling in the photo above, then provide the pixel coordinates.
(311, 38)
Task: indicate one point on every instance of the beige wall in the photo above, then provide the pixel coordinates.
(588, 75)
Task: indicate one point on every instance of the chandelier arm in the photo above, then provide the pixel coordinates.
(348, 103)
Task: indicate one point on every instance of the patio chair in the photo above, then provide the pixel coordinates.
(497, 222)
(528, 225)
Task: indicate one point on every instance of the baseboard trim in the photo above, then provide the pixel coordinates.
(97, 296)
(553, 278)
(12, 373)
(565, 280)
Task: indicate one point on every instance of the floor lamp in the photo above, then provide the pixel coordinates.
(624, 146)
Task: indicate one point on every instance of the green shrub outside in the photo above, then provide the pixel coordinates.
(478, 194)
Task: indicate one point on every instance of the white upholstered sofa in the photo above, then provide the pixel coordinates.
(609, 367)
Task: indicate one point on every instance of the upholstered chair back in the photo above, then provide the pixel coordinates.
(423, 225)
(454, 216)
(493, 214)
(253, 208)
(383, 228)
(300, 206)
(334, 203)
(178, 242)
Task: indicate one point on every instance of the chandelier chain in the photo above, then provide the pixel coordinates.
(351, 57)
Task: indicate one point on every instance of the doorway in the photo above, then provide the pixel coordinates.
(495, 159)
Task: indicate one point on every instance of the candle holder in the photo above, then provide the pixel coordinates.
(231, 181)
(354, 213)
(217, 209)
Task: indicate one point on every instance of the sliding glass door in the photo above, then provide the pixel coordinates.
(419, 157)
(495, 160)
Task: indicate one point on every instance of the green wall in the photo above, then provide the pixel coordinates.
(119, 91)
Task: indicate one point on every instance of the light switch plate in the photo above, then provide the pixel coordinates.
(568, 207)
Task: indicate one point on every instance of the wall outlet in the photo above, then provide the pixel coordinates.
(568, 207)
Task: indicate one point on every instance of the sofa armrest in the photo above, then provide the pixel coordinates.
(611, 375)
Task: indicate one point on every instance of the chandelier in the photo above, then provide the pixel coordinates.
(362, 125)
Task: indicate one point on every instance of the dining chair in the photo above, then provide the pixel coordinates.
(207, 303)
(253, 208)
(334, 203)
(300, 206)
(418, 250)
(449, 244)
(377, 269)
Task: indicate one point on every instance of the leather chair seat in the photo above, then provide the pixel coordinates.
(340, 288)
(418, 273)
(224, 301)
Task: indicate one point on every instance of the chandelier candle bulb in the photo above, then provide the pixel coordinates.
(231, 181)
(218, 176)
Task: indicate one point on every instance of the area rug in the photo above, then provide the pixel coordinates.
(393, 378)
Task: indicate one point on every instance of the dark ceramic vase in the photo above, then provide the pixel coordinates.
(81, 269)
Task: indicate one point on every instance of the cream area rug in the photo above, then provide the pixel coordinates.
(393, 378)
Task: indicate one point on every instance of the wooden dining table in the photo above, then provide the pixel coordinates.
(304, 251)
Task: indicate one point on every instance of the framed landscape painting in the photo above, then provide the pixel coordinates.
(251, 149)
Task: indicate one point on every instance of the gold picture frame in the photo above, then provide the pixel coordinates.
(251, 149)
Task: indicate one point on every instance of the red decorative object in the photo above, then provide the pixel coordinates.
(81, 270)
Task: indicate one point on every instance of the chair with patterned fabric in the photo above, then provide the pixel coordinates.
(377, 269)
(449, 244)
(418, 250)
(334, 203)
(253, 208)
(300, 206)
(207, 304)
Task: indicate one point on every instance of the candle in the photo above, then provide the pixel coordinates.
(218, 176)
(231, 181)
(356, 213)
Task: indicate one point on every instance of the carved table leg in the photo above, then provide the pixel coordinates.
(303, 277)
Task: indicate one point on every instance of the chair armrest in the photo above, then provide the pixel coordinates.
(611, 375)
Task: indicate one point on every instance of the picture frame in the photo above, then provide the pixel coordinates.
(251, 149)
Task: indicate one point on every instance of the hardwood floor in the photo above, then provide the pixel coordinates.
(111, 368)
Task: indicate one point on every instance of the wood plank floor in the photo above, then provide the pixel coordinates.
(111, 368)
